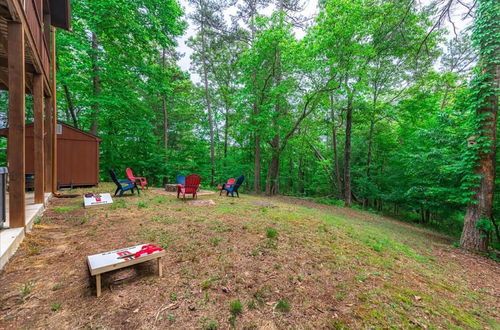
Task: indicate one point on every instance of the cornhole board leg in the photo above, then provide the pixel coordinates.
(98, 284)
(160, 271)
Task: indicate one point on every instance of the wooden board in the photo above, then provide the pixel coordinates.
(93, 201)
(107, 261)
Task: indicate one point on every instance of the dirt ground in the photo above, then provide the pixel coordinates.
(248, 263)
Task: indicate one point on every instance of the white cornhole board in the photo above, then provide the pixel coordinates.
(92, 201)
(108, 261)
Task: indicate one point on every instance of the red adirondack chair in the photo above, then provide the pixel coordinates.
(190, 187)
(140, 180)
(221, 186)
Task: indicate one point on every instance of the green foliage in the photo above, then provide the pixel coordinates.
(236, 307)
(485, 225)
(283, 306)
(55, 306)
(271, 233)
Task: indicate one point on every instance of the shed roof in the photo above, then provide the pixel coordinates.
(4, 132)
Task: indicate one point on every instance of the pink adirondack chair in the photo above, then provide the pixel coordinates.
(190, 187)
(140, 180)
(221, 186)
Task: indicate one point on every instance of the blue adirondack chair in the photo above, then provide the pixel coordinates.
(233, 188)
(181, 179)
(122, 185)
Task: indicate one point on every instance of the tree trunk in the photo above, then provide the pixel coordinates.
(474, 238)
(273, 171)
(370, 143)
(256, 173)
(165, 112)
(301, 175)
(209, 109)
(165, 125)
(226, 131)
(71, 107)
(347, 153)
(96, 84)
(335, 152)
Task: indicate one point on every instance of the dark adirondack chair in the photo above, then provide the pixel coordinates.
(190, 187)
(141, 180)
(221, 186)
(233, 188)
(122, 185)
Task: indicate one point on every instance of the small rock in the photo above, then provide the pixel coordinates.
(202, 203)
(226, 289)
(264, 204)
(191, 308)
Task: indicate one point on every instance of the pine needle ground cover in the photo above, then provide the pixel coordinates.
(253, 262)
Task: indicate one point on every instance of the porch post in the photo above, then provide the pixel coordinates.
(38, 138)
(54, 110)
(16, 144)
(48, 144)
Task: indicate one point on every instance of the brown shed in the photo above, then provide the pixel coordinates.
(77, 155)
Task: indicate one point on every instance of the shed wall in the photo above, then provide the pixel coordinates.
(77, 157)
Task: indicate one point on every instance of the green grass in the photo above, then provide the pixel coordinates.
(57, 286)
(271, 233)
(215, 241)
(283, 306)
(118, 204)
(251, 304)
(25, 289)
(63, 209)
(55, 306)
(236, 307)
(211, 325)
(142, 204)
(240, 265)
